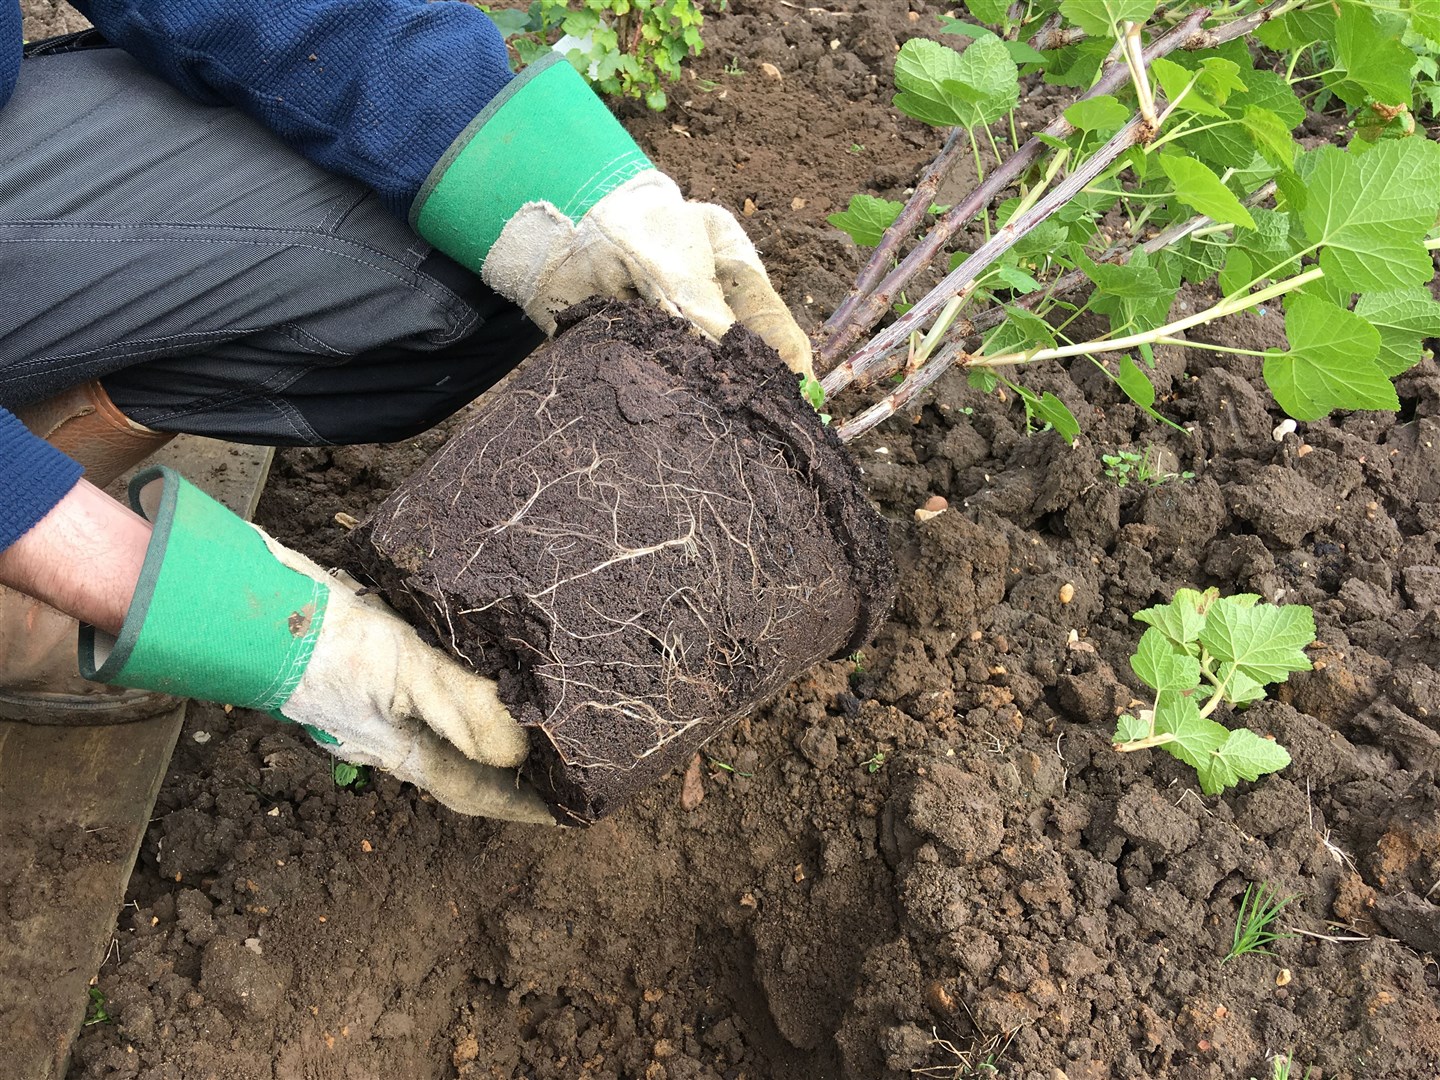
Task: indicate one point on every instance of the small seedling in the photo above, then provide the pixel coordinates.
(1282, 1067)
(1237, 646)
(1259, 908)
(733, 68)
(857, 148)
(350, 776)
(1125, 466)
(874, 763)
(814, 395)
(1120, 465)
(725, 766)
(95, 1012)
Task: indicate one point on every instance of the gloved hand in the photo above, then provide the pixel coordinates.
(225, 613)
(549, 199)
(644, 239)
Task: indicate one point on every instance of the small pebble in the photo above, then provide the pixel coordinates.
(1285, 427)
(1304, 449)
(937, 503)
(1067, 593)
(771, 73)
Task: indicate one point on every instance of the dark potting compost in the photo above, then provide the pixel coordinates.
(642, 538)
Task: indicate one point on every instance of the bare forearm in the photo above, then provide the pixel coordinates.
(84, 557)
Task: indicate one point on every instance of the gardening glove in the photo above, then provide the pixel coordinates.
(551, 202)
(225, 613)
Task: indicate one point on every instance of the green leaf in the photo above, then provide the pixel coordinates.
(1047, 409)
(1196, 736)
(1240, 689)
(1271, 244)
(1134, 383)
(1243, 755)
(1375, 63)
(1269, 90)
(945, 88)
(1053, 411)
(1022, 53)
(1197, 186)
(1130, 729)
(1077, 65)
(1016, 279)
(1238, 273)
(1425, 18)
(812, 390)
(1164, 665)
(866, 218)
(988, 11)
(1270, 135)
(1263, 641)
(1181, 620)
(1100, 17)
(1104, 114)
(1221, 77)
(1404, 318)
(1370, 212)
(1134, 280)
(510, 23)
(1175, 80)
(1020, 331)
(1331, 363)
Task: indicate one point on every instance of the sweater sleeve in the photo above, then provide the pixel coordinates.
(375, 90)
(37, 476)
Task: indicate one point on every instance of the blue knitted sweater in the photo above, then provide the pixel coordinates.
(375, 90)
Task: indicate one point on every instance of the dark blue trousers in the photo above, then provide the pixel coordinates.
(215, 282)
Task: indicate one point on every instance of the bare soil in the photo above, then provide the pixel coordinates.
(904, 864)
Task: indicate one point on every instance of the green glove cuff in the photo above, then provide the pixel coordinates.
(546, 138)
(215, 616)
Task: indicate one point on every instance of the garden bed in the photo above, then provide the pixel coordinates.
(926, 852)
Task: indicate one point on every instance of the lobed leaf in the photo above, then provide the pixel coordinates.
(946, 88)
(1104, 114)
(1100, 18)
(1196, 737)
(866, 218)
(1370, 212)
(1164, 665)
(1197, 186)
(1182, 619)
(1331, 364)
(1374, 64)
(1404, 319)
(1131, 729)
(988, 11)
(1263, 641)
(1243, 755)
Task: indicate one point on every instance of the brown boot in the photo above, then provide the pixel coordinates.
(84, 423)
(40, 679)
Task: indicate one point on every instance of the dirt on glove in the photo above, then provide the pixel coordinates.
(644, 537)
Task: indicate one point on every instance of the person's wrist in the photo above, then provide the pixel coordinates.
(215, 615)
(83, 557)
(547, 139)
